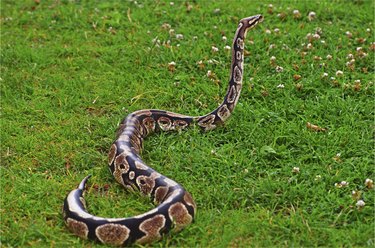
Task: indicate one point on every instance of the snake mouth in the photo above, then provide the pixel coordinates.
(252, 21)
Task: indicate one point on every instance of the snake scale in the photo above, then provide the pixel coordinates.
(175, 208)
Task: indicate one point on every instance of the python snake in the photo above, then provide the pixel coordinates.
(175, 207)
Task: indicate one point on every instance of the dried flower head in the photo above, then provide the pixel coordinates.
(369, 183)
(296, 14)
(172, 66)
(200, 64)
(296, 170)
(311, 16)
(339, 73)
(315, 128)
(356, 194)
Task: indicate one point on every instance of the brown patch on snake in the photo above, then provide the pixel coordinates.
(237, 76)
(113, 234)
(223, 112)
(121, 167)
(238, 55)
(149, 124)
(189, 201)
(136, 143)
(160, 194)
(143, 112)
(180, 124)
(147, 183)
(112, 154)
(240, 43)
(179, 215)
(231, 94)
(165, 123)
(151, 227)
(77, 227)
(207, 122)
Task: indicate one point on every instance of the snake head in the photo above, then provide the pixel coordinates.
(252, 21)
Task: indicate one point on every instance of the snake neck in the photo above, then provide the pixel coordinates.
(225, 109)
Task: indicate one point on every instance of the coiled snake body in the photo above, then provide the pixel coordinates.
(175, 207)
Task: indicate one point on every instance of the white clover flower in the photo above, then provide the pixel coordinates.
(268, 31)
(295, 170)
(279, 69)
(318, 177)
(273, 59)
(350, 56)
(276, 30)
(195, 37)
(311, 16)
(360, 204)
(316, 36)
(209, 73)
(217, 11)
(224, 38)
(171, 3)
(339, 73)
(166, 25)
(171, 32)
(272, 46)
(325, 74)
(344, 183)
(309, 46)
(214, 49)
(179, 36)
(280, 86)
(227, 48)
(329, 57)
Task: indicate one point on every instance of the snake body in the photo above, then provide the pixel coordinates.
(175, 208)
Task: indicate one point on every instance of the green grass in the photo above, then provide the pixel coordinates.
(71, 70)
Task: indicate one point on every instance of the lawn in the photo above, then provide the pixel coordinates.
(71, 70)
